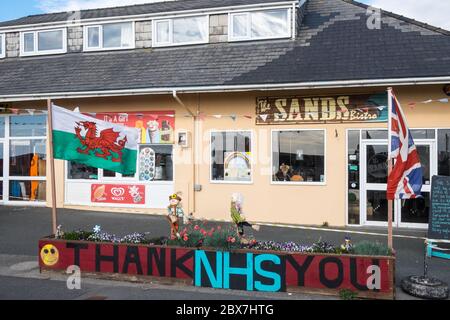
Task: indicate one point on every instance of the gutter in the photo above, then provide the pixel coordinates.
(228, 88)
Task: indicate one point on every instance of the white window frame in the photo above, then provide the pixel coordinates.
(231, 15)
(36, 51)
(3, 45)
(171, 43)
(252, 160)
(300, 183)
(100, 37)
(6, 178)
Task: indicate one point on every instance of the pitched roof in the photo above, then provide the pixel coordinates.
(142, 9)
(333, 44)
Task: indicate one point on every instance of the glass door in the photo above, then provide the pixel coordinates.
(414, 213)
(373, 181)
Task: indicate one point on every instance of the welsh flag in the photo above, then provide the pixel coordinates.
(95, 143)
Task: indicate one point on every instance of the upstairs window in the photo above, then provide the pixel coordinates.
(265, 24)
(43, 42)
(112, 36)
(2, 46)
(180, 31)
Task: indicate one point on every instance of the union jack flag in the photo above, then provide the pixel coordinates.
(405, 180)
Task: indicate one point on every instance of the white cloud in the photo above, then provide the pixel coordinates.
(73, 5)
(434, 12)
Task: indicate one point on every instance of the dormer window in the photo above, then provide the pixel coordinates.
(2, 46)
(263, 24)
(180, 31)
(43, 42)
(111, 36)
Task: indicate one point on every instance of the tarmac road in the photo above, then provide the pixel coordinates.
(20, 229)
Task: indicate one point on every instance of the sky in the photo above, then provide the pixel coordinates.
(434, 12)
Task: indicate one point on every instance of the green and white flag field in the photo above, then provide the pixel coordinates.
(95, 143)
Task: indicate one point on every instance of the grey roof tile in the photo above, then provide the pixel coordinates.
(334, 43)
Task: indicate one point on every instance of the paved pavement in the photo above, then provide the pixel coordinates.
(20, 229)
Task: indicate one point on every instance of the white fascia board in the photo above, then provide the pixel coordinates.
(231, 88)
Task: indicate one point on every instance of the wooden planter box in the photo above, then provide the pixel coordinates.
(250, 270)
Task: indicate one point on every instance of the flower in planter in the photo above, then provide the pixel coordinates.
(97, 229)
(185, 238)
(197, 227)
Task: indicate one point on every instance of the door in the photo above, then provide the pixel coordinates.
(411, 213)
(414, 213)
(373, 181)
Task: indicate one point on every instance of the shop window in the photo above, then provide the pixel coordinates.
(2, 127)
(374, 135)
(28, 126)
(32, 191)
(78, 171)
(109, 36)
(43, 42)
(179, 31)
(444, 152)
(423, 133)
(231, 156)
(353, 177)
(298, 156)
(265, 24)
(155, 163)
(2, 46)
(27, 158)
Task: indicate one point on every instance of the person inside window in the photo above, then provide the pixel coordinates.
(284, 174)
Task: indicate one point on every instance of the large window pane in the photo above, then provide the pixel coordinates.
(189, 30)
(27, 191)
(240, 22)
(50, 40)
(28, 42)
(375, 134)
(77, 171)
(1, 161)
(27, 158)
(298, 156)
(2, 50)
(231, 156)
(377, 206)
(444, 152)
(117, 35)
(416, 210)
(28, 126)
(377, 165)
(271, 23)
(353, 177)
(156, 163)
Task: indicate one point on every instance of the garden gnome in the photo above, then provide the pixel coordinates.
(175, 213)
(236, 215)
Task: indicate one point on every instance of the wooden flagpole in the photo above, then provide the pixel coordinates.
(390, 202)
(52, 166)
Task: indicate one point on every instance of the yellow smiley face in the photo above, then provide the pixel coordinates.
(49, 255)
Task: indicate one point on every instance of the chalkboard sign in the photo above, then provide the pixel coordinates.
(439, 224)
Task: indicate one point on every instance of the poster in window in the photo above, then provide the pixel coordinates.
(157, 127)
(237, 166)
(147, 164)
(118, 194)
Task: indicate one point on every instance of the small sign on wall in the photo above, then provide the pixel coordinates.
(118, 194)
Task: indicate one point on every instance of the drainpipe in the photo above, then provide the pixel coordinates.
(194, 146)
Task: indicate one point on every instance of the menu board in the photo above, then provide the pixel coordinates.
(439, 224)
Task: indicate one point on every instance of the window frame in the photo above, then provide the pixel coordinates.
(300, 183)
(252, 162)
(249, 37)
(171, 43)
(101, 47)
(36, 51)
(3, 45)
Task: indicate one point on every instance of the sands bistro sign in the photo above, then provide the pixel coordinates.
(338, 108)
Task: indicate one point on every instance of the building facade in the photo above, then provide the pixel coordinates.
(284, 102)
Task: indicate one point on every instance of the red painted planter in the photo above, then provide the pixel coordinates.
(369, 277)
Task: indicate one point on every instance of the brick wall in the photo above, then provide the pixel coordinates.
(218, 28)
(143, 34)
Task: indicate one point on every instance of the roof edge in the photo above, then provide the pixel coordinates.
(230, 88)
(403, 18)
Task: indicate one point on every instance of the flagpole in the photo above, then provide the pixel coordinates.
(52, 166)
(390, 202)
